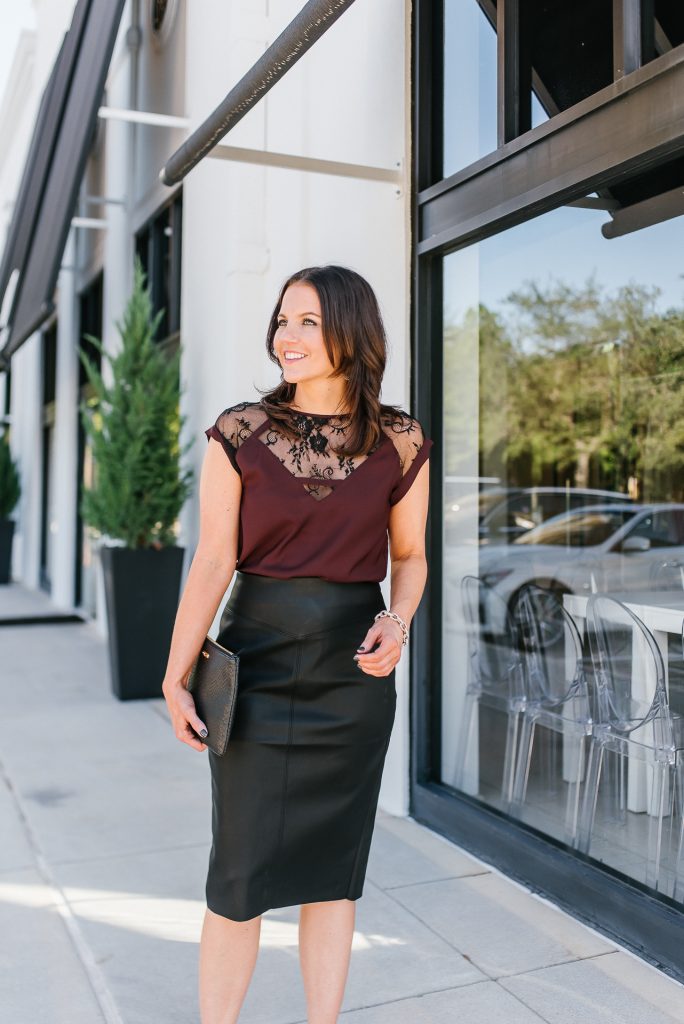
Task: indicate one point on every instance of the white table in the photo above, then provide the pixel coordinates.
(663, 613)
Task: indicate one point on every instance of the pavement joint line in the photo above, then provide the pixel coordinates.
(101, 991)
(429, 927)
(549, 903)
(430, 881)
(560, 963)
(421, 995)
(477, 966)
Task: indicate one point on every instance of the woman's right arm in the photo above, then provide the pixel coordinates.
(210, 572)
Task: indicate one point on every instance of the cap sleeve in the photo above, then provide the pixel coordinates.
(413, 448)
(224, 430)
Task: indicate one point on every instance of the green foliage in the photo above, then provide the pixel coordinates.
(134, 425)
(575, 386)
(10, 487)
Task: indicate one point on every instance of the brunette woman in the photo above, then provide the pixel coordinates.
(303, 493)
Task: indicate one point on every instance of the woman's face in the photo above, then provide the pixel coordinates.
(298, 340)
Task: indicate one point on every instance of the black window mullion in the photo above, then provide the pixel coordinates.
(428, 69)
(427, 402)
(514, 70)
(633, 35)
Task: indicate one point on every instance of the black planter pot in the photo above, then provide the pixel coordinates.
(6, 534)
(141, 591)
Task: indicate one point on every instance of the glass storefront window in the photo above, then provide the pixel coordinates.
(563, 471)
(667, 28)
(469, 85)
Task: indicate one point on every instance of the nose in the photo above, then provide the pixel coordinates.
(287, 335)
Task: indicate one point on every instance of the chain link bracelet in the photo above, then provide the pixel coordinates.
(397, 618)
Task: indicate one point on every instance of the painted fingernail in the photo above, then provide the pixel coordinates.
(203, 733)
(360, 648)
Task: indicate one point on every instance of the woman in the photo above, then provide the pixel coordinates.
(298, 492)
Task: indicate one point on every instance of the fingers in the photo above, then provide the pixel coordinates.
(186, 735)
(189, 712)
(385, 657)
(185, 720)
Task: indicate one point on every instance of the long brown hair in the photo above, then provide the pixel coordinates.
(356, 343)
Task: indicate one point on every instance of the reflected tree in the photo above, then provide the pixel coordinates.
(577, 387)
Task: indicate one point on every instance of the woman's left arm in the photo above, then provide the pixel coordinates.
(408, 576)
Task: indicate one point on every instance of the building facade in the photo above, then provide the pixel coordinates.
(524, 241)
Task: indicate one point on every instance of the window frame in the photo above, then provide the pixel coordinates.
(577, 151)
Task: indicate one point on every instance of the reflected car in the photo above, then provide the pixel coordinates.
(504, 514)
(606, 547)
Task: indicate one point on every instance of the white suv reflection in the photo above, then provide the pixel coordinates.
(608, 548)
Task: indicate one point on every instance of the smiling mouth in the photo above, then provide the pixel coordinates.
(293, 357)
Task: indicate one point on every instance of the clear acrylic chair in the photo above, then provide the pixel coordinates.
(678, 888)
(556, 693)
(626, 662)
(667, 574)
(495, 678)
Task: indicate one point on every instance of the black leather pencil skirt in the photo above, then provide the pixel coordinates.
(294, 796)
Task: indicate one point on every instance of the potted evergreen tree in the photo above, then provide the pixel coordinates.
(138, 490)
(10, 489)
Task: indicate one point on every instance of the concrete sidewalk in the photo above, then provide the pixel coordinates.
(106, 833)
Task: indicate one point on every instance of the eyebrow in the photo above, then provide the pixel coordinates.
(309, 312)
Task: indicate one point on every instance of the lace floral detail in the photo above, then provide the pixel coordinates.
(238, 422)
(312, 456)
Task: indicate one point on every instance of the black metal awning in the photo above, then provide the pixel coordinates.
(55, 166)
(314, 19)
(36, 167)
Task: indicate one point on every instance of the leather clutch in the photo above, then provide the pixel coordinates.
(213, 684)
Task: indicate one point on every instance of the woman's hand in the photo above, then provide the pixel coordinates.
(184, 717)
(387, 632)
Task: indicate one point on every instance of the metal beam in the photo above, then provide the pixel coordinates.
(629, 126)
(268, 158)
(102, 201)
(265, 158)
(93, 223)
(143, 117)
(650, 211)
(314, 19)
(594, 203)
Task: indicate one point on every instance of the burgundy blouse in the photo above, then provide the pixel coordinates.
(306, 511)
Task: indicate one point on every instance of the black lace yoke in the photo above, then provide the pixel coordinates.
(307, 511)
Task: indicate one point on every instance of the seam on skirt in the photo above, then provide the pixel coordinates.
(283, 802)
(372, 804)
(259, 622)
(298, 636)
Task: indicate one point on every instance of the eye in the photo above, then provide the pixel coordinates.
(306, 320)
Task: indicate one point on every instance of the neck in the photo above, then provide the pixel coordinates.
(320, 401)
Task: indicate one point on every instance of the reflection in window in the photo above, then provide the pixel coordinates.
(469, 85)
(667, 29)
(564, 469)
(572, 48)
(583, 529)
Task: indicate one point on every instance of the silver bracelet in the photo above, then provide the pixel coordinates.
(397, 618)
